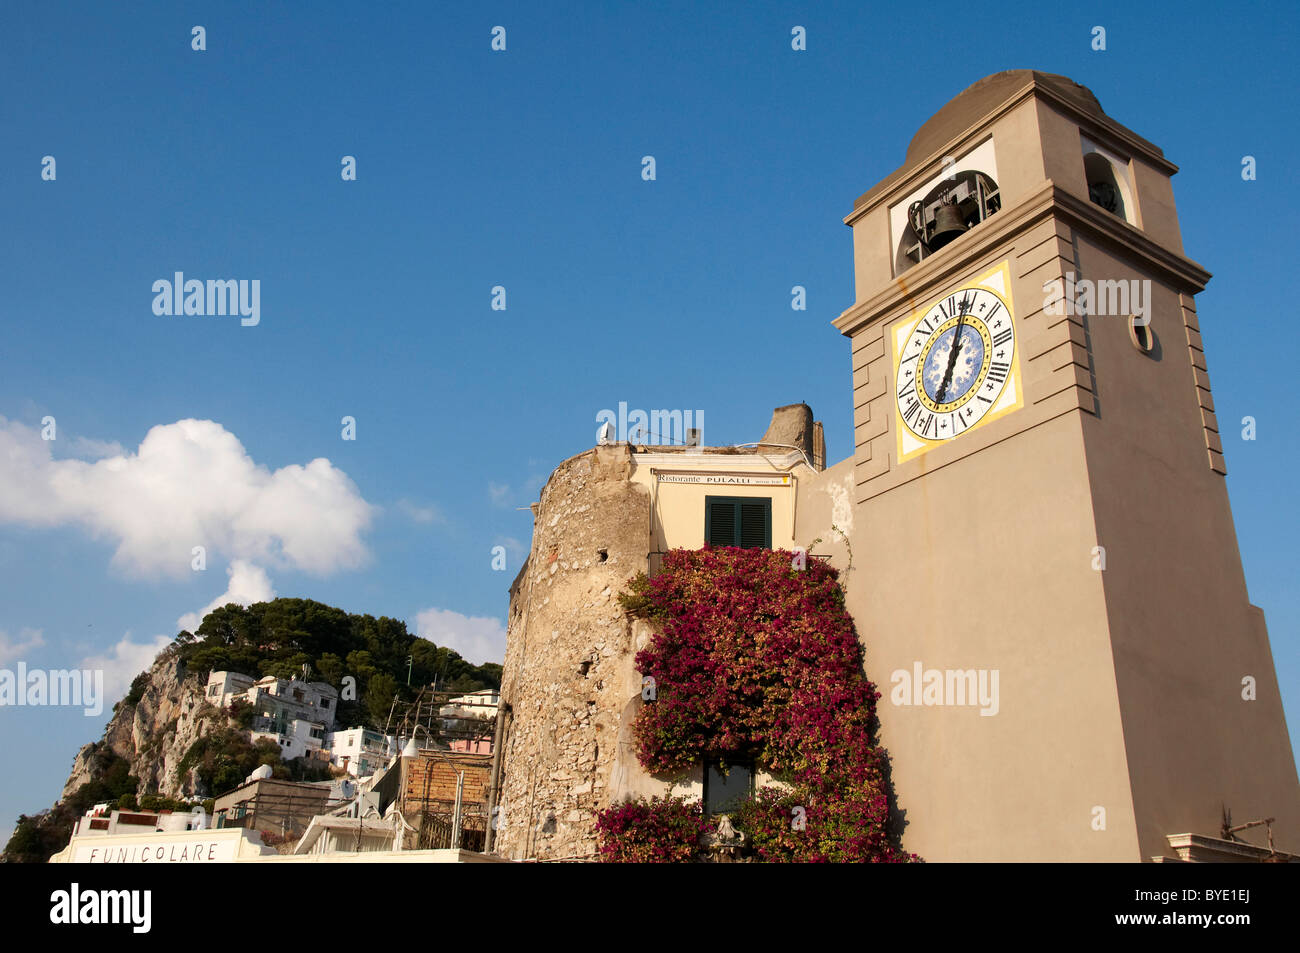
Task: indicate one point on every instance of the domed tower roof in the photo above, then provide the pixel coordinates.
(979, 102)
(982, 97)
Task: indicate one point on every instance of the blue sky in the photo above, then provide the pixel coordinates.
(520, 169)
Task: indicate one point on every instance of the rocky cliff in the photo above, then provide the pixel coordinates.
(153, 731)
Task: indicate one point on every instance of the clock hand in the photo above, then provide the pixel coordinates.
(952, 355)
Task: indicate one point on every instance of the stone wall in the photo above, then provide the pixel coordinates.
(569, 675)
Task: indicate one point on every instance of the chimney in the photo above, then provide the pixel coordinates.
(792, 426)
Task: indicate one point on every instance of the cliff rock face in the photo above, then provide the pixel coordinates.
(156, 732)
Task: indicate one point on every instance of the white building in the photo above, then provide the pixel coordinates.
(328, 834)
(288, 698)
(298, 738)
(294, 714)
(225, 687)
(105, 821)
(361, 751)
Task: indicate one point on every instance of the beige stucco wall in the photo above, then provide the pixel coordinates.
(987, 566)
(677, 509)
(1120, 688)
(1180, 620)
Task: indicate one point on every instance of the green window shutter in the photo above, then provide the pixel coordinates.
(738, 521)
(756, 524)
(720, 521)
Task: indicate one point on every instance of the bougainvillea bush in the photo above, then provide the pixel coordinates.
(660, 830)
(756, 659)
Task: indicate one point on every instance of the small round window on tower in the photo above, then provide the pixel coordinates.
(1140, 333)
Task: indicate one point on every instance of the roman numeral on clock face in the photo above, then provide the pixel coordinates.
(998, 371)
(1002, 337)
(913, 411)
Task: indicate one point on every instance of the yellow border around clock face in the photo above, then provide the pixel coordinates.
(997, 280)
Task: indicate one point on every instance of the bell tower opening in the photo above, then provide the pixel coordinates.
(1108, 182)
(949, 210)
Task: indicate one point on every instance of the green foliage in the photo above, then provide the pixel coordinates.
(242, 713)
(224, 758)
(636, 601)
(138, 685)
(281, 636)
(111, 779)
(379, 697)
(39, 836)
(329, 668)
(290, 666)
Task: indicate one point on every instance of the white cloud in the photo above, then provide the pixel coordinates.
(499, 492)
(190, 483)
(14, 648)
(477, 639)
(248, 584)
(122, 663)
(97, 449)
(419, 514)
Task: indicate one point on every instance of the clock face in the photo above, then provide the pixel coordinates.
(955, 365)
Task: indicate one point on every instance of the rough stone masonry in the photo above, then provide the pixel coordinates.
(568, 675)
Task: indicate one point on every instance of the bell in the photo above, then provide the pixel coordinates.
(948, 224)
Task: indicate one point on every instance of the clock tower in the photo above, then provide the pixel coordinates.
(1047, 576)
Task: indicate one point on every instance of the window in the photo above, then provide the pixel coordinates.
(724, 789)
(744, 521)
(1140, 333)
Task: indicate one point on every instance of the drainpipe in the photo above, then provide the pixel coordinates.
(494, 782)
(455, 812)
